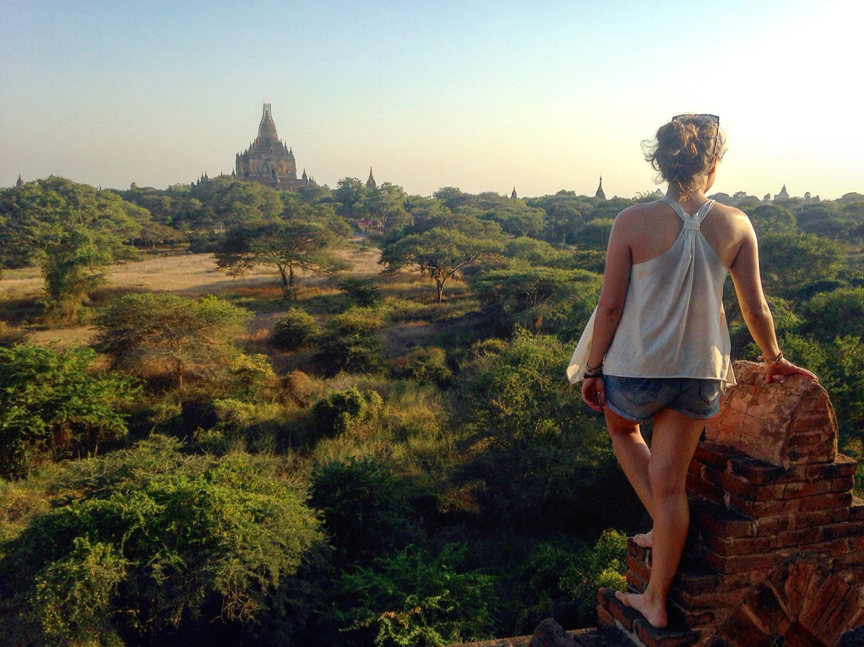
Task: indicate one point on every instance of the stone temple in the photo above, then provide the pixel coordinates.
(268, 160)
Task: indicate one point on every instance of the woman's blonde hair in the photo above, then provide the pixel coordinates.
(684, 150)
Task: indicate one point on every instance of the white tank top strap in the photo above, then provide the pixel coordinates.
(690, 222)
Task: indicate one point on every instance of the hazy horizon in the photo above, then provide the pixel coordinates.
(484, 97)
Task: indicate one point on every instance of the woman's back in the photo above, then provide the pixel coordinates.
(673, 323)
(651, 229)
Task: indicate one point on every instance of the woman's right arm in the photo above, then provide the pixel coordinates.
(754, 307)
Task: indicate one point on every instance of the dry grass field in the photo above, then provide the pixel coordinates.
(187, 274)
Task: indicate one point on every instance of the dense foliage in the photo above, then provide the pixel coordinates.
(55, 403)
(375, 464)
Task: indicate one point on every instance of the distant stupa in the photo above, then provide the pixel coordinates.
(513, 195)
(19, 183)
(371, 183)
(600, 193)
(783, 195)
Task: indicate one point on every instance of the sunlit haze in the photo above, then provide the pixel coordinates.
(484, 96)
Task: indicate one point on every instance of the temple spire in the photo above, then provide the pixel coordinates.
(370, 183)
(513, 195)
(19, 183)
(600, 193)
(267, 127)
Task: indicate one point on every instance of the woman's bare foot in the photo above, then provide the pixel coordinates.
(644, 540)
(653, 610)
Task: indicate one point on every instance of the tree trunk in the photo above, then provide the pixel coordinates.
(440, 291)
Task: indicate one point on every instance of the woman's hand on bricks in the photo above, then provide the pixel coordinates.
(778, 372)
(594, 393)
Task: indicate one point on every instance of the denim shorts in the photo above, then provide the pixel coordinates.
(639, 398)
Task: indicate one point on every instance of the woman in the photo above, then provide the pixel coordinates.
(661, 327)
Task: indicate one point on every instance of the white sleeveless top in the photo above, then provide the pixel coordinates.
(673, 323)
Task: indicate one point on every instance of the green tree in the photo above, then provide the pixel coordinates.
(835, 314)
(788, 261)
(350, 193)
(287, 246)
(539, 295)
(72, 230)
(595, 234)
(439, 254)
(772, 218)
(53, 403)
(151, 333)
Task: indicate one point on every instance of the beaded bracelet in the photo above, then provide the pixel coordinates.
(772, 362)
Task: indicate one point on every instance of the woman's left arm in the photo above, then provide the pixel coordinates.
(616, 278)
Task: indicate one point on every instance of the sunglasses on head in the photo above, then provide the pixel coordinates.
(712, 118)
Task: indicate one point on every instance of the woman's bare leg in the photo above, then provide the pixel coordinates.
(674, 442)
(633, 454)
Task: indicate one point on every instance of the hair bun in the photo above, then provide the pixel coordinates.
(681, 151)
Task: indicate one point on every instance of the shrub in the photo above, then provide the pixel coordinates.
(424, 365)
(416, 598)
(561, 580)
(367, 506)
(294, 330)
(53, 403)
(544, 458)
(154, 540)
(251, 377)
(340, 411)
(350, 342)
(150, 332)
(300, 388)
(361, 291)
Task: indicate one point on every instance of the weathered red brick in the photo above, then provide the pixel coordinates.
(639, 567)
(636, 582)
(772, 613)
(756, 471)
(653, 637)
(841, 466)
(856, 509)
(818, 502)
(704, 489)
(637, 551)
(720, 520)
(743, 630)
(774, 524)
(755, 509)
(791, 582)
(799, 537)
(742, 486)
(745, 546)
(848, 561)
(604, 618)
(843, 484)
(739, 563)
(819, 603)
(713, 455)
(818, 517)
(806, 488)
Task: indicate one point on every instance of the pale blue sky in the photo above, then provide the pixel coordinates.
(479, 95)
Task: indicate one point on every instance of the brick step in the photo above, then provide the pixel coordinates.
(613, 614)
